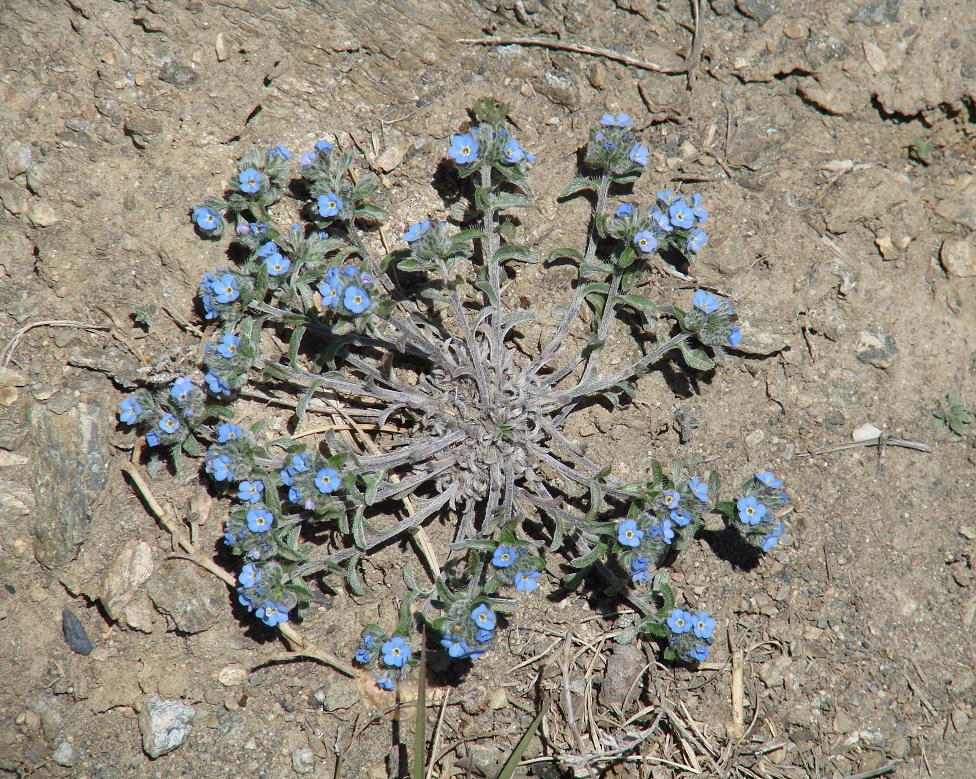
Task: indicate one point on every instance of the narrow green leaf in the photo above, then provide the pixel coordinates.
(584, 562)
(696, 359)
(513, 251)
(293, 344)
(191, 447)
(508, 770)
(302, 404)
(565, 251)
(579, 184)
(420, 736)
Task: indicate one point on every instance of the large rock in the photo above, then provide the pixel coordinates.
(165, 725)
(191, 596)
(69, 468)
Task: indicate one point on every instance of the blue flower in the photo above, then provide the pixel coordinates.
(329, 293)
(484, 618)
(259, 520)
(228, 345)
(271, 614)
(680, 214)
(221, 468)
(514, 152)
(484, 636)
(267, 249)
(169, 424)
(767, 478)
(129, 411)
(700, 212)
(250, 181)
(386, 683)
(668, 196)
(670, 498)
(699, 489)
(773, 538)
(645, 241)
(661, 221)
(259, 230)
(526, 582)
(455, 646)
(667, 531)
(704, 302)
(209, 311)
(416, 230)
(277, 264)
(464, 149)
(308, 159)
(244, 599)
(697, 240)
(323, 147)
(504, 556)
(680, 518)
(349, 271)
(249, 575)
(301, 463)
(395, 652)
(243, 228)
(216, 384)
(638, 154)
(329, 204)
(703, 624)
(735, 338)
(225, 289)
(294, 494)
(698, 653)
(640, 576)
(181, 389)
(628, 533)
(280, 151)
(332, 277)
(250, 491)
(152, 438)
(750, 510)
(620, 120)
(624, 210)
(639, 564)
(680, 621)
(355, 299)
(228, 431)
(363, 656)
(206, 219)
(327, 480)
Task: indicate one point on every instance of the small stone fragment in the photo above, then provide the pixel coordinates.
(866, 432)
(11, 378)
(64, 754)
(774, 672)
(759, 11)
(16, 500)
(843, 722)
(886, 248)
(74, 633)
(392, 157)
(959, 720)
(875, 57)
(173, 72)
(165, 725)
(561, 90)
(14, 197)
(624, 667)
(877, 12)
(303, 761)
(8, 396)
(43, 215)
(142, 126)
(130, 569)
(10, 459)
(232, 675)
(832, 99)
(498, 699)
(194, 602)
(17, 157)
(220, 47)
(958, 257)
(877, 349)
(967, 531)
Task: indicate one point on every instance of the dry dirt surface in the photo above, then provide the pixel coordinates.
(834, 145)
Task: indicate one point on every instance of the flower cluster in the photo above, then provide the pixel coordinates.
(691, 635)
(615, 149)
(711, 319)
(756, 511)
(173, 417)
(671, 223)
(391, 655)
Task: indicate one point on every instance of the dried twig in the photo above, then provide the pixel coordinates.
(593, 52)
(19, 335)
(887, 768)
(880, 442)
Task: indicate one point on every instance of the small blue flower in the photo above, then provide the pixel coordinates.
(750, 510)
(277, 264)
(228, 431)
(294, 494)
(323, 147)
(396, 651)
(699, 654)
(181, 389)
(209, 310)
(327, 480)
(308, 159)
(329, 293)
(639, 564)
(216, 384)
(206, 219)
(645, 241)
(620, 120)
(355, 299)
(667, 531)
(680, 621)
(624, 210)
(637, 577)
(703, 624)
(301, 463)
(735, 338)
(697, 240)
(271, 614)
(280, 151)
(638, 155)
(329, 204)
(484, 618)
(250, 181)
(228, 345)
(152, 438)
(504, 556)
(699, 489)
(670, 498)
(225, 289)
(680, 518)
(259, 520)
(767, 478)
(526, 582)
(484, 636)
(221, 468)
(668, 196)
(628, 534)
(244, 599)
(332, 276)
(259, 230)
(661, 221)
(363, 656)
(250, 491)
(129, 411)
(514, 152)
(704, 302)
(464, 149)
(454, 645)
(368, 640)
(700, 212)
(249, 575)
(267, 249)
(243, 228)
(784, 498)
(416, 230)
(386, 683)
(773, 538)
(169, 424)
(680, 214)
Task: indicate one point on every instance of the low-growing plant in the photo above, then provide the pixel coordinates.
(417, 352)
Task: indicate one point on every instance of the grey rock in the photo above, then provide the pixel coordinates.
(14, 197)
(877, 12)
(17, 158)
(561, 90)
(960, 207)
(16, 500)
(730, 257)
(142, 126)
(42, 214)
(968, 69)
(899, 748)
(958, 257)
(823, 48)
(624, 666)
(49, 711)
(341, 695)
(165, 725)
(173, 72)
(303, 761)
(130, 569)
(78, 124)
(75, 635)
(64, 754)
(189, 595)
(877, 349)
(757, 10)
(69, 469)
(12, 434)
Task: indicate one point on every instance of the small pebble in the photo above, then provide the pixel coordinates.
(74, 633)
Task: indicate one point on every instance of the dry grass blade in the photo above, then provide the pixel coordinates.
(508, 770)
(420, 732)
